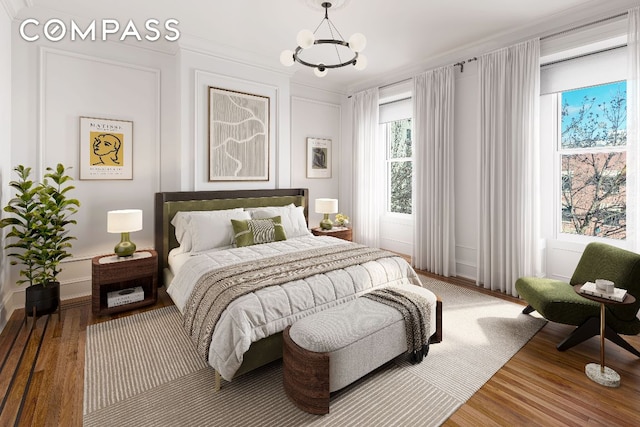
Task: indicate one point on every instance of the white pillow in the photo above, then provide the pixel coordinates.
(182, 220)
(213, 231)
(292, 218)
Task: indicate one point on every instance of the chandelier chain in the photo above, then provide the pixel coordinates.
(335, 46)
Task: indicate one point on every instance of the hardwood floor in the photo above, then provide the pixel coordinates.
(541, 386)
(42, 370)
(41, 377)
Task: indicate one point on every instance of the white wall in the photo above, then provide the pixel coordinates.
(5, 157)
(396, 233)
(56, 83)
(466, 143)
(163, 91)
(317, 114)
(200, 70)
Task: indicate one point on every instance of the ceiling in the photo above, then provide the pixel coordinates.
(402, 35)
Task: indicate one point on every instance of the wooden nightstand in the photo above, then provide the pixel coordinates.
(109, 274)
(343, 233)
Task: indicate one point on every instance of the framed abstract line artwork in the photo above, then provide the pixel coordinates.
(106, 149)
(238, 136)
(318, 158)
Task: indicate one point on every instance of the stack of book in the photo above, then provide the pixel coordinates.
(589, 288)
(125, 296)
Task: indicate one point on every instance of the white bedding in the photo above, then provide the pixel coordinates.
(267, 311)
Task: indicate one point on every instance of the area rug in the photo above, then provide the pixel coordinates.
(142, 370)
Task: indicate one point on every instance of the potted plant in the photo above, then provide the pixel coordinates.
(40, 215)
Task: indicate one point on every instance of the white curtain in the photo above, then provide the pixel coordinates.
(509, 82)
(434, 201)
(369, 177)
(633, 126)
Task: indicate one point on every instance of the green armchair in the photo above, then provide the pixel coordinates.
(558, 302)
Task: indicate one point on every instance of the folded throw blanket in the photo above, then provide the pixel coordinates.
(416, 312)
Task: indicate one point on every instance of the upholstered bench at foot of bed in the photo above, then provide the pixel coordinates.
(331, 349)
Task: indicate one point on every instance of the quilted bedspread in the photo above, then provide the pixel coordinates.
(270, 310)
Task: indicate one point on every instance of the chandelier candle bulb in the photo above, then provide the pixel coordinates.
(361, 63)
(357, 42)
(320, 72)
(286, 58)
(305, 39)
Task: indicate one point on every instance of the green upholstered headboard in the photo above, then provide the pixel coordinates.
(167, 204)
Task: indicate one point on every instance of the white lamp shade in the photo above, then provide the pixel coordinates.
(357, 42)
(286, 58)
(305, 39)
(326, 206)
(361, 62)
(124, 221)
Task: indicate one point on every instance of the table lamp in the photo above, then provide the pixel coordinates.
(123, 222)
(326, 207)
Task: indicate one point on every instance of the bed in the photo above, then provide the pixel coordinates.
(179, 268)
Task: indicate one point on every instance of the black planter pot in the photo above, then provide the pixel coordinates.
(45, 299)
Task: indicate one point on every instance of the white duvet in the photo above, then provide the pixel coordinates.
(270, 310)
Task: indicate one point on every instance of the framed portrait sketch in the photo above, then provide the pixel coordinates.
(106, 148)
(318, 158)
(238, 136)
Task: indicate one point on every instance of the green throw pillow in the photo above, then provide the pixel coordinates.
(256, 231)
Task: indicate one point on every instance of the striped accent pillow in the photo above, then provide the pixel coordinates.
(258, 231)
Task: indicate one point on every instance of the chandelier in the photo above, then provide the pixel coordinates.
(307, 39)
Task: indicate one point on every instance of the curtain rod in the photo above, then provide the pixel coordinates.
(394, 83)
(460, 64)
(582, 55)
(588, 24)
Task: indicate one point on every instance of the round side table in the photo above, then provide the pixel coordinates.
(600, 373)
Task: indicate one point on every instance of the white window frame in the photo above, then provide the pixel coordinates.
(558, 153)
(395, 103)
(388, 162)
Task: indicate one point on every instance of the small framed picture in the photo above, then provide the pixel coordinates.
(318, 158)
(106, 149)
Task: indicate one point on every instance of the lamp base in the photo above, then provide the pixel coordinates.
(126, 247)
(326, 223)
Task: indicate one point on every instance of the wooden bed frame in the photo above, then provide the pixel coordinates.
(167, 204)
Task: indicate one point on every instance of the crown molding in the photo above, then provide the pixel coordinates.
(316, 84)
(13, 7)
(226, 53)
(255, 60)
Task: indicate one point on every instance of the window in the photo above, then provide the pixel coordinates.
(396, 109)
(399, 152)
(592, 152)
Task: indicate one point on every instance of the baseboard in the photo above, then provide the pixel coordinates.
(68, 290)
(471, 284)
(6, 310)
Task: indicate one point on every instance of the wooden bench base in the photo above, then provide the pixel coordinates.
(306, 373)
